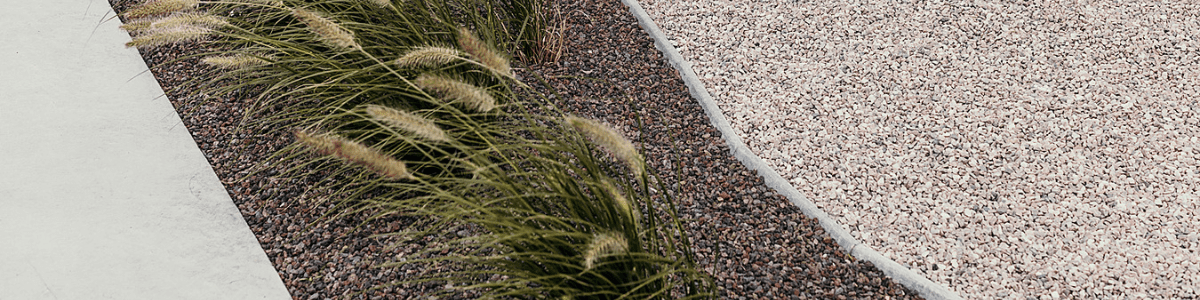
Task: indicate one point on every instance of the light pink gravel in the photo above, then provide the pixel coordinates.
(1005, 149)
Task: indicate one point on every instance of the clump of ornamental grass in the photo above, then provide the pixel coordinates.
(542, 31)
(554, 225)
(552, 215)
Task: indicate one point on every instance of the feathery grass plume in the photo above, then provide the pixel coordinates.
(158, 7)
(234, 62)
(194, 20)
(191, 19)
(608, 138)
(381, 3)
(326, 30)
(407, 121)
(427, 57)
(484, 53)
(604, 244)
(137, 25)
(469, 95)
(622, 203)
(274, 3)
(164, 36)
(354, 152)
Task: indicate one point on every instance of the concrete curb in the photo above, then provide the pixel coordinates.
(902, 275)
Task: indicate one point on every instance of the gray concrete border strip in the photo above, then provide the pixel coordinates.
(901, 274)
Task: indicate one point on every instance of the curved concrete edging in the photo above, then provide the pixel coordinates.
(909, 278)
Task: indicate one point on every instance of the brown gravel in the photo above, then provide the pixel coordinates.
(755, 243)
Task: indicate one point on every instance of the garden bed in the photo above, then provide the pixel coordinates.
(753, 241)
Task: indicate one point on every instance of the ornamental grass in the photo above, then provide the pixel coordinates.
(564, 206)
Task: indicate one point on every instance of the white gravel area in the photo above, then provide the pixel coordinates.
(1005, 149)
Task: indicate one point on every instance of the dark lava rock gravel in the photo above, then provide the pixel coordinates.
(754, 242)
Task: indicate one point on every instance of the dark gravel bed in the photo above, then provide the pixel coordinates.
(755, 243)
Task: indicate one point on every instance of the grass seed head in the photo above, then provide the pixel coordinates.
(159, 7)
(614, 142)
(234, 62)
(413, 123)
(381, 3)
(485, 54)
(427, 57)
(356, 153)
(273, 3)
(326, 30)
(604, 244)
(196, 20)
(163, 36)
(137, 25)
(471, 96)
(191, 19)
(620, 200)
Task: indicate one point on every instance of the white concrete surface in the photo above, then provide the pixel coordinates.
(103, 193)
